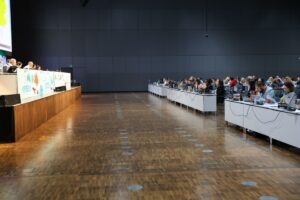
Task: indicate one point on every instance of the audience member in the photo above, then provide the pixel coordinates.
(270, 91)
(208, 87)
(289, 97)
(197, 85)
(232, 82)
(264, 93)
(220, 91)
(297, 88)
(270, 81)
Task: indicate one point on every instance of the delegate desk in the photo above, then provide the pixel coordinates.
(201, 102)
(276, 123)
(157, 90)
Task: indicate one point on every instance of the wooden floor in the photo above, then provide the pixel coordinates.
(139, 146)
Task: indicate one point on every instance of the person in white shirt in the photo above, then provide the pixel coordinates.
(29, 65)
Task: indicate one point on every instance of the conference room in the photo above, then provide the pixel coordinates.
(140, 99)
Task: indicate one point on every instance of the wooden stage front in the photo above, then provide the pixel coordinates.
(18, 120)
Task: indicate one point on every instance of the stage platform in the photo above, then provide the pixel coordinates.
(18, 120)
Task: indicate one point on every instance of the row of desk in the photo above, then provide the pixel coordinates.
(157, 90)
(200, 102)
(269, 120)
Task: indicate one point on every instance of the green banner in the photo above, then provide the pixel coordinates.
(2, 57)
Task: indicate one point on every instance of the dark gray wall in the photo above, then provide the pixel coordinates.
(118, 45)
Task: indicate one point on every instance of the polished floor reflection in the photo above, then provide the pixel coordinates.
(139, 146)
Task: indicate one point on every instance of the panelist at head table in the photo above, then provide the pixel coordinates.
(11, 65)
(29, 65)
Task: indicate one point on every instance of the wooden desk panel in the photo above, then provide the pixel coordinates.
(23, 118)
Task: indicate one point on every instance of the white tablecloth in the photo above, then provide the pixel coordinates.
(274, 122)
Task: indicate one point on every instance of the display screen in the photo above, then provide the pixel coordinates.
(5, 26)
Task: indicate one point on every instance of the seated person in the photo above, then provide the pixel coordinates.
(220, 91)
(165, 82)
(197, 85)
(270, 81)
(289, 98)
(38, 67)
(11, 65)
(226, 81)
(298, 80)
(208, 87)
(19, 66)
(181, 85)
(264, 93)
(232, 82)
(277, 83)
(190, 84)
(29, 65)
(252, 82)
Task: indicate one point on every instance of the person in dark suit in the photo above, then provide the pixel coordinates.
(220, 91)
(297, 88)
(208, 87)
(12, 65)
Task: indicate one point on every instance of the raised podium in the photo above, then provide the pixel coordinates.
(39, 100)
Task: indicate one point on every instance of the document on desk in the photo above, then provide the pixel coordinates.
(269, 105)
